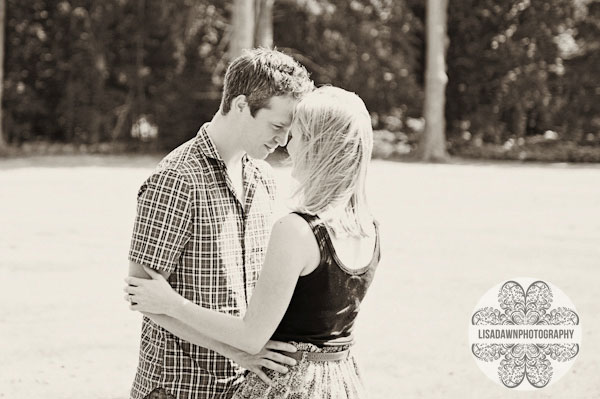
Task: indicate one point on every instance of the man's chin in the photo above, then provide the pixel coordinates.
(259, 154)
(267, 151)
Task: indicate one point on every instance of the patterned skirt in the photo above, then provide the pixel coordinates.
(308, 379)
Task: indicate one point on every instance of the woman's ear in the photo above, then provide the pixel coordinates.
(239, 103)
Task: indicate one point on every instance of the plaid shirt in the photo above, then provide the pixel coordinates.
(190, 223)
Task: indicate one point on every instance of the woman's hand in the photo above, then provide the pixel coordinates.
(153, 295)
(268, 358)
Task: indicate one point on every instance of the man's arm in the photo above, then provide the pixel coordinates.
(176, 327)
(292, 246)
(268, 357)
(161, 231)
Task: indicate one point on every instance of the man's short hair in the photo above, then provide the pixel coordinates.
(262, 73)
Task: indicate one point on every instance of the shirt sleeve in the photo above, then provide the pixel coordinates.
(163, 221)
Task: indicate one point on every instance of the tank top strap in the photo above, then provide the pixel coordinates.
(328, 249)
(318, 229)
(377, 252)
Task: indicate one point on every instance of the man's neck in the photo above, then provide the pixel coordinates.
(224, 136)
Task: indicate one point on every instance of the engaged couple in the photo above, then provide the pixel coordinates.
(237, 305)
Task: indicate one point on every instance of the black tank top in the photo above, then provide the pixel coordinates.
(325, 302)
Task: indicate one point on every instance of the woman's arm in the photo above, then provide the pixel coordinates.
(187, 333)
(269, 357)
(292, 247)
(174, 326)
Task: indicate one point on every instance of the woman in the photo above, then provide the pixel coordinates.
(319, 263)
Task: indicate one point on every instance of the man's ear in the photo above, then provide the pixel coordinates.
(239, 103)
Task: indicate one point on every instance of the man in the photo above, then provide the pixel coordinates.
(203, 219)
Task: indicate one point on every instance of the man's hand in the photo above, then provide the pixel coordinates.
(153, 295)
(269, 357)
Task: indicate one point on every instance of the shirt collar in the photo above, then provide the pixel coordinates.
(207, 147)
(205, 144)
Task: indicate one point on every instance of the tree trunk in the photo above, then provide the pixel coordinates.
(98, 39)
(3, 143)
(139, 61)
(433, 141)
(242, 21)
(264, 23)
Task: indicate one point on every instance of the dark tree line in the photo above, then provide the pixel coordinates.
(86, 71)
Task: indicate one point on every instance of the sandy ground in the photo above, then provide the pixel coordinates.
(449, 233)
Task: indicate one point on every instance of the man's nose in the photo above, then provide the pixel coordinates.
(282, 138)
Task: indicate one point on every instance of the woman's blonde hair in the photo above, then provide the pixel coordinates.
(336, 136)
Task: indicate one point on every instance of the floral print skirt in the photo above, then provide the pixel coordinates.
(338, 379)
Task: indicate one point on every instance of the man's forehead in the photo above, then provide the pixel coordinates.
(281, 108)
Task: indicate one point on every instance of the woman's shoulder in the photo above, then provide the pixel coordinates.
(294, 233)
(293, 225)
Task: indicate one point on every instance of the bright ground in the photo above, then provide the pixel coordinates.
(450, 232)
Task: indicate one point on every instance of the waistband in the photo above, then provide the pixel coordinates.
(319, 356)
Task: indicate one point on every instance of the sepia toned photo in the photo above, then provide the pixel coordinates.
(299, 199)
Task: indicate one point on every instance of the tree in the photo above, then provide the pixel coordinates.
(369, 47)
(264, 23)
(2, 24)
(432, 146)
(139, 61)
(242, 24)
(505, 68)
(579, 86)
